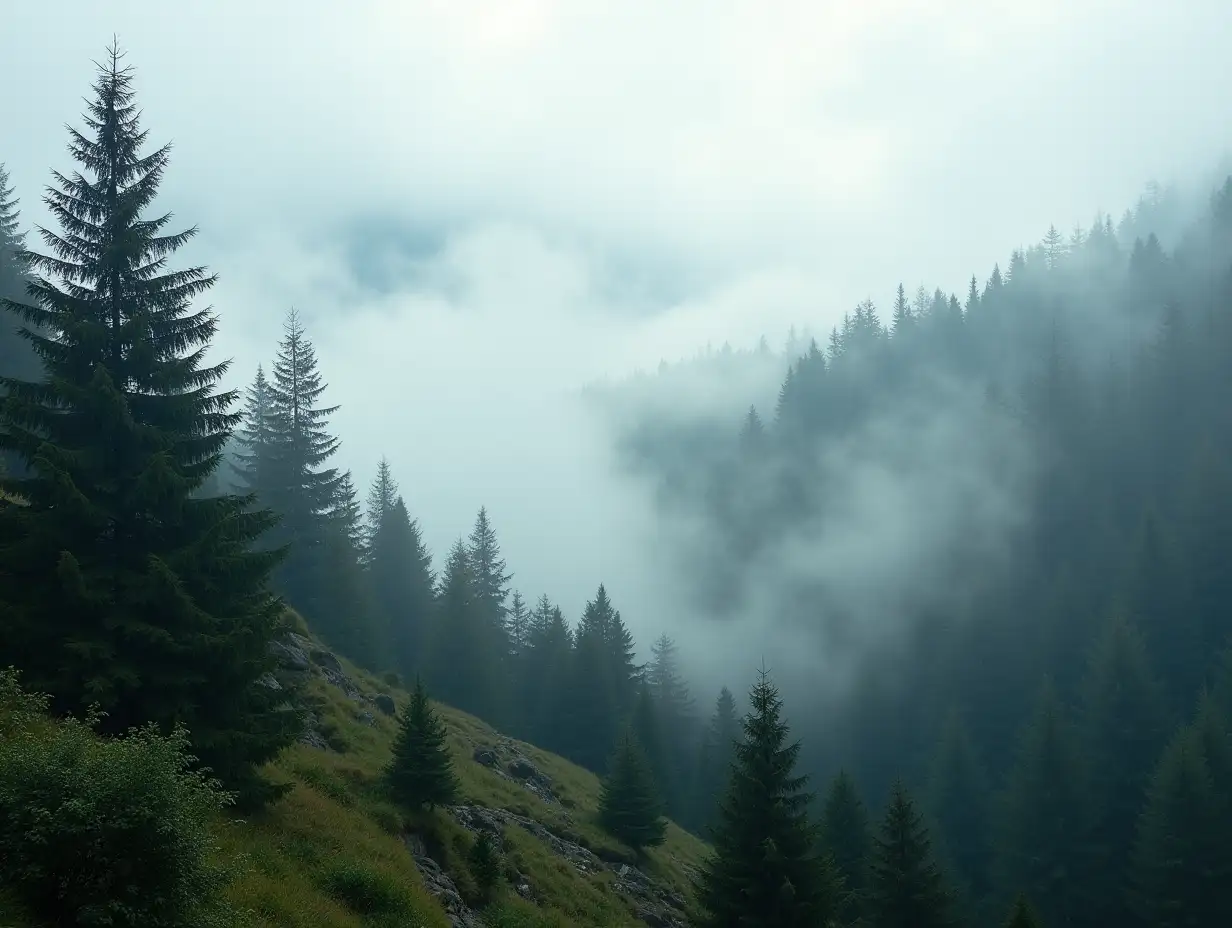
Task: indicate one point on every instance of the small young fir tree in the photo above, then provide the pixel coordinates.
(421, 771)
(629, 805)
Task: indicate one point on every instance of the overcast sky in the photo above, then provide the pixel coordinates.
(479, 205)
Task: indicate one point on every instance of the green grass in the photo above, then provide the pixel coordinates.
(331, 852)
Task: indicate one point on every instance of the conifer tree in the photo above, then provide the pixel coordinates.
(1022, 915)
(715, 757)
(1182, 861)
(382, 495)
(906, 886)
(491, 592)
(121, 586)
(400, 576)
(676, 722)
(629, 805)
(646, 725)
(464, 666)
(347, 616)
(957, 794)
(421, 771)
(765, 869)
(256, 439)
(900, 320)
(847, 839)
(546, 668)
(1046, 818)
(1123, 733)
(485, 865)
(302, 489)
(517, 624)
(604, 682)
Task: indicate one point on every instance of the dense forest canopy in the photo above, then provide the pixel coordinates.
(981, 540)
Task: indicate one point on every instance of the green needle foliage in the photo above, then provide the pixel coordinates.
(421, 771)
(630, 808)
(118, 584)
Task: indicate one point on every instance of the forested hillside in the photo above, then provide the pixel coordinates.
(992, 530)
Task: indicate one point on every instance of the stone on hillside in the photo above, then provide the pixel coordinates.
(485, 756)
(385, 703)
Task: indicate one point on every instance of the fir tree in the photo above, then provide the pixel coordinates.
(715, 757)
(629, 805)
(901, 318)
(765, 869)
(517, 625)
(546, 666)
(400, 576)
(647, 728)
(957, 794)
(465, 667)
(847, 839)
(382, 495)
(16, 357)
(302, 489)
(347, 615)
(906, 886)
(1022, 915)
(256, 439)
(484, 864)
(491, 591)
(1182, 861)
(121, 586)
(421, 771)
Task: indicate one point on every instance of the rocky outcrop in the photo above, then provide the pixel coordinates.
(384, 704)
(505, 759)
(299, 658)
(441, 887)
(654, 903)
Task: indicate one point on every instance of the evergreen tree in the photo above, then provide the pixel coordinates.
(604, 681)
(491, 589)
(347, 617)
(119, 584)
(847, 839)
(401, 578)
(901, 318)
(546, 666)
(676, 722)
(629, 805)
(1124, 731)
(302, 489)
(465, 668)
(1046, 818)
(382, 495)
(765, 869)
(16, 357)
(485, 864)
(650, 737)
(517, 625)
(256, 439)
(715, 758)
(421, 771)
(957, 795)
(906, 886)
(1182, 860)
(1022, 915)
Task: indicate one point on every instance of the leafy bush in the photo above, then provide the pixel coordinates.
(100, 831)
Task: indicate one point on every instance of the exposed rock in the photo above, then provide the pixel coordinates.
(485, 756)
(314, 739)
(290, 655)
(439, 885)
(365, 718)
(325, 660)
(477, 818)
(385, 703)
(269, 681)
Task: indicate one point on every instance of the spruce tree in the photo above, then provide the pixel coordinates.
(676, 722)
(1022, 915)
(957, 802)
(121, 586)
(629, 805)
(647, 728)
(714, 760)
(421, 771)
(490, 582)
(303, 491)
(16, 357)
(765, 869)
(545, 675)
(347, 618)
(906, 886)
(382, 495)
(847, 839)
(256, 437)
(463, 664)
(1182, 860)
(485, 864)
(401, 579)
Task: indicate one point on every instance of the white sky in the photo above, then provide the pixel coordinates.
(478, 205)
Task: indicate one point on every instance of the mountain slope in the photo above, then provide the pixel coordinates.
(335, 851)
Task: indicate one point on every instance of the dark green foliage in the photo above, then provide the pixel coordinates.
(119, 584)
(544, 669)
(484, 863)
(906, 886)
(1022, 915)
(400, 574)
(629, 805)
(646, 729)
(365, 891)
(676, 718)
(1046, 825)
(421, 770)
(16, 358)
(957, 803)
(603, 682)
(1182, 860)
(715, 757)
(847, 840)
(103, 832)
(465, 664)
(765, 869)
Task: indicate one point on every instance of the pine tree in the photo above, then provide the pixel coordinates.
(1054, 248)
(517, 625)
(900, 321)
(491, 588)
(1123, 733)
(545, 674)
(629, 806)
(421, 771)
(847, 839)
(121, 586)
(765, 869)
(676, 717)
(464, 666)
(957, 794)
(1046, 818)
(1182, 860)
(715, 757)
(484, 864)
(302, 489)
(906, 886)
(1022, 915)
(347, 617)
(256, 439)
(401, 578)
(647, 728)
(382, 495)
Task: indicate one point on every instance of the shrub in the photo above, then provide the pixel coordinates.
(100, 831)
(365, 891)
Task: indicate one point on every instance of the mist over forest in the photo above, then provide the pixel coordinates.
(590, 407)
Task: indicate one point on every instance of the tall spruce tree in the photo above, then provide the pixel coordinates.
(303, 490)
(906, 887)
(464, 667)
(491, 593)
(420, 773)
(348, 617)
(629, 805)
(120, 585)
(254, 459)
(847, 839)
(765, 869)
(718, 750)
(401, 579)
(545, 674)
(382, 495)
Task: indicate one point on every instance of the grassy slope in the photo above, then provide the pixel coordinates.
(336, 830)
